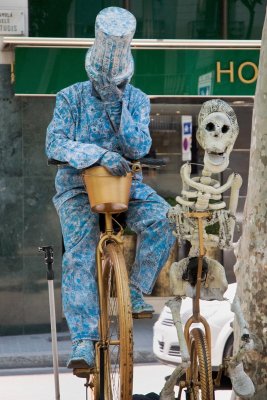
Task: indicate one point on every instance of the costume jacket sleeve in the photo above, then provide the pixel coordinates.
(60, 139)
(134, 137)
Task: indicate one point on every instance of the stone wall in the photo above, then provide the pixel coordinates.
(27, 215)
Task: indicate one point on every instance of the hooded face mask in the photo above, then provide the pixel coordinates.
(110, 56)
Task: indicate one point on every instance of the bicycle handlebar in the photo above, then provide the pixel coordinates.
(151, 162)
(145, 162)
(52, 161)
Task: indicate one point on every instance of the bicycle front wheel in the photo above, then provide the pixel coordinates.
(200, 372)
(117, 331)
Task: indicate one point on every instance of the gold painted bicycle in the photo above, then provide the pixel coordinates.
(112, 378)
(194, 374)
(199, 382)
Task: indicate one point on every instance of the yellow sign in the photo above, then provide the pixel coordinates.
(237, 71)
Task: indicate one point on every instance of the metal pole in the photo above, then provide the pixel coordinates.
(48, 250)
(54, 336)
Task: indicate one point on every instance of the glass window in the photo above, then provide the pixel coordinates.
(66, 18)
(245, 19)
(156, 19)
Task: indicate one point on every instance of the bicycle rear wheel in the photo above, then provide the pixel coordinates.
(117, 331)
(200, 372)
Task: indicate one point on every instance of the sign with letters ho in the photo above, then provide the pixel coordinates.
(12, 22)
(171, 72)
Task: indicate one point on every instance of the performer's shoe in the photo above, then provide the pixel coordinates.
(241, 382)
(140, 309)
(83, 354)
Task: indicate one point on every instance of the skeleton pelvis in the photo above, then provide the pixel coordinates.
(190, 273)
(183, 278)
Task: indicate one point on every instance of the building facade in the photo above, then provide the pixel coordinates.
(185, 53)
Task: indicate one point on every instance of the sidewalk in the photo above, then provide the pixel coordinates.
(34, 351)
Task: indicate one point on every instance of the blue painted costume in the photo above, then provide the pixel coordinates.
(92, 124)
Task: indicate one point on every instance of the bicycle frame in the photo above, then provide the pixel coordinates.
(197, 317)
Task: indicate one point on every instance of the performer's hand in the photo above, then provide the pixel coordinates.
(108, 91)
(115, 163)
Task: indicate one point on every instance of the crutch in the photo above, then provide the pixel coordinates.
(48, 250)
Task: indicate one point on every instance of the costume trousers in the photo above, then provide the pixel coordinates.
(80, 229)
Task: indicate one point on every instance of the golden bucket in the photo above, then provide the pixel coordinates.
(107, 193)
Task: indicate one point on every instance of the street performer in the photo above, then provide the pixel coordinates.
(104, 120)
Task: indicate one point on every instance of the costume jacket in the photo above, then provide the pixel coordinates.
(82, 130)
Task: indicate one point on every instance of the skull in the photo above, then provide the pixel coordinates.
(217, 132)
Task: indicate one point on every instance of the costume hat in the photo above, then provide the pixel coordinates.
(110, 55)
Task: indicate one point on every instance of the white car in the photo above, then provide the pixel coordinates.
(219, 316)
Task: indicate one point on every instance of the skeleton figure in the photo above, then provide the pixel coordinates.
(217, 132)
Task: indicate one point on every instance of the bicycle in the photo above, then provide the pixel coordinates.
(112, 378)
(194, 374)
(199, 381)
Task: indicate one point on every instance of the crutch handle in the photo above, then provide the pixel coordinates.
(49, 259)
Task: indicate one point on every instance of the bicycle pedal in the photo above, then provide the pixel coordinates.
(83, 372)
(142, 315)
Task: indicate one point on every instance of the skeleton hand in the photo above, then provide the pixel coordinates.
(225, 218)
(173, 212)
(175, 215)
(185, 171)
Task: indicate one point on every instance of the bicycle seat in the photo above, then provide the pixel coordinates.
(83, 372)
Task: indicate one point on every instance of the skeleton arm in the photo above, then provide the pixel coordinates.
(236, 309)
(226, 217)
(167, 392)
(175, 307)
(241, 382)
(236, 185)
(185, 193)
